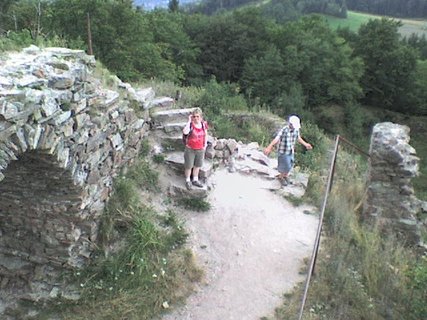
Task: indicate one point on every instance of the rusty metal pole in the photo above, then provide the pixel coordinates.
(310, 271)
(334, 162)
(89, 36)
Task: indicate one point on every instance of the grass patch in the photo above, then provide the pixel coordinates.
(194, 204)
(159, 158)
(296, 201)
(355, 19)
(144, 176)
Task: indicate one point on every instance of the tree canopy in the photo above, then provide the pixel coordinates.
(300, 61)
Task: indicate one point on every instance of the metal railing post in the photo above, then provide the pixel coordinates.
(319, 228)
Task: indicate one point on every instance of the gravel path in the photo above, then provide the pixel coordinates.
(251, 244)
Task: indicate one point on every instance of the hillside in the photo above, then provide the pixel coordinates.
(355, 19)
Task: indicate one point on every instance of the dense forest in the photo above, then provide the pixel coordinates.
(300, 64)
(393, 8)
(286, 8)
(274, 56)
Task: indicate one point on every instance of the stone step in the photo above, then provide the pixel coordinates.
(173, 127)
(169, 142)
(162, 117)
(176, 160)
(179, 190)
(159, 103)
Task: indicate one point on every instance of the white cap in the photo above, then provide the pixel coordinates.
(295, 122)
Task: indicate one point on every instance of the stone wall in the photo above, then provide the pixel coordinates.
(64, 136)
(393, 163)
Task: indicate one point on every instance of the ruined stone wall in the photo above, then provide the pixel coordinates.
(64, 136)
(393, 163)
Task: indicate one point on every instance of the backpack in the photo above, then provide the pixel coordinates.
(185, 136)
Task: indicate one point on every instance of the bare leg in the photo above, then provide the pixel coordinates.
(187, 173)
(196, 173)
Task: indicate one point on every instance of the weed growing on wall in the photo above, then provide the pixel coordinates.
(144, 175)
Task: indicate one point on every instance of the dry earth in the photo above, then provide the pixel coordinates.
(251, 245)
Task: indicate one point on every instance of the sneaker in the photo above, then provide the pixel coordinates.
(197, 183)
(286, 181)
(188, 185)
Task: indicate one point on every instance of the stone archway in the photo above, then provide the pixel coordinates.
(64, 136)
(39, 223)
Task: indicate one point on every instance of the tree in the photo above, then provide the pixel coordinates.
(5, 14)
(173, 5)
(419, 105)
(389, 64)
(263, 77)
(128, 49)
(176, 46)
(227, 40)
(281, 10)
(25, 15)
(320, 61)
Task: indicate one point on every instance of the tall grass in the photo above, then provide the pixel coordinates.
(141, 267)
(361, 273)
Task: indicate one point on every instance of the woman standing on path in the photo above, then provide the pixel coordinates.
(196, 132)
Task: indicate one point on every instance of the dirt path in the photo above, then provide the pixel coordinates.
(251, 245)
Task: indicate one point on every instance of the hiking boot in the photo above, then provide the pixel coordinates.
(198, 184)
(188, 185)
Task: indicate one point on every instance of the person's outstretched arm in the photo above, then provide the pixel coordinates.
(305, 143)
(268, 149)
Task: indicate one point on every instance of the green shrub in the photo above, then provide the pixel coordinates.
(144, 176)
(417, 284)
(188, 96)
(291, 102)
(313, 160)
(177, 235)
(219, 98)
(159, 158)
(195, 204)
(23, 39)
(16, 41)
(145, 148)
(125, 194)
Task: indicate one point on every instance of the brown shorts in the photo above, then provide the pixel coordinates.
(193, 158)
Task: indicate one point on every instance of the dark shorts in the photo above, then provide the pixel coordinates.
(193, 158)
(285, 162)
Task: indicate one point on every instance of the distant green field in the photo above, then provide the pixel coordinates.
(355, 19)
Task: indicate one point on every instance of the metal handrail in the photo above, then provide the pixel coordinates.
(354, 146)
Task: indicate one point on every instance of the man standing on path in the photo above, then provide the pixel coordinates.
(287, 137)
(196, 140)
